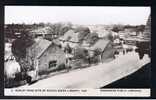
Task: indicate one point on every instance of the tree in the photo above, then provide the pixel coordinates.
(140, 28)
(92, 38)
(41, 24)
(66, 26)
(59, 28)
(117, 28)
(20, 44)
(110, 37)
(83, 32)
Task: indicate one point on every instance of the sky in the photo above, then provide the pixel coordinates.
(83, 15)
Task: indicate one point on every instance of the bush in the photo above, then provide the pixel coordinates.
(29, 79)
(83, 32)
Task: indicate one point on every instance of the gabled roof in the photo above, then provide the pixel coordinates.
(39, 47)
(101, 43)
(73, 36)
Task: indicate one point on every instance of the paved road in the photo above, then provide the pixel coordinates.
(95, 76)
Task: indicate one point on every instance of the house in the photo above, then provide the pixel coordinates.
(70, 38)
(106, 48)
(45, 56)
(43, 32)
(123, 34)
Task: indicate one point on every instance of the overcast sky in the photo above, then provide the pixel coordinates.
(77, 15)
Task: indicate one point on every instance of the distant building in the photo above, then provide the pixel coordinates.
(70, 38)
(45, 56)
(43, 33)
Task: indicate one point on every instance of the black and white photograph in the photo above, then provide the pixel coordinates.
(77, 51)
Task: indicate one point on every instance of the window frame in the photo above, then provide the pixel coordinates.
(52, 63)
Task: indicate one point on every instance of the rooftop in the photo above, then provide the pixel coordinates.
(101, 43)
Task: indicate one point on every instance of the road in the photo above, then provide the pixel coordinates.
(94, 76)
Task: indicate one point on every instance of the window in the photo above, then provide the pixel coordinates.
(52, 63)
